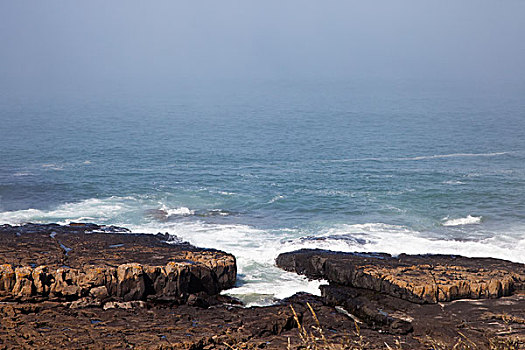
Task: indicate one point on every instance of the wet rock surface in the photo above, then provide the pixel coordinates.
(87, 261)
(416, 278)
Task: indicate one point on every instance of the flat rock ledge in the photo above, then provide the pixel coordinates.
(88, 263)
(415, 278)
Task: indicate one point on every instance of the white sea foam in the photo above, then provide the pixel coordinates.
(456, 155)
(218, 212)
(22, 173)
(424, 157)
(275, 199)
(102, 210)
(226, 193)
(469, 220)
(260, 281)
(51, 166)
(392, 239)
(453, 182)
(177, 211)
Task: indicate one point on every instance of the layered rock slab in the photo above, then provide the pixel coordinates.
(147, 325)
(39, 262)
(371, 307)
(416, 278)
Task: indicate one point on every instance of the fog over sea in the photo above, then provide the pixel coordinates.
(260, 167)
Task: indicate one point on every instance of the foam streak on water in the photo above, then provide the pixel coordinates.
(430, 157)
(469, 220)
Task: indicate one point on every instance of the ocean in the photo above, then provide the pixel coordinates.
(256, 168)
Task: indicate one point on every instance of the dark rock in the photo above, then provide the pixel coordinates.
(199, 300)
(417, 278)
(145, 325)
(35, 266)
(367, 306)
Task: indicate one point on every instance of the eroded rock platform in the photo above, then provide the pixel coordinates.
(67, 263)
(416, 278)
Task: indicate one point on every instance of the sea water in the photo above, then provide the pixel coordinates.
(263, 167)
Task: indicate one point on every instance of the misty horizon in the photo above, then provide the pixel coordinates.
(60, 45)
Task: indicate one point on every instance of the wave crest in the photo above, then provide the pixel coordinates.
(469, 220)
(434, 156)
(103, 211)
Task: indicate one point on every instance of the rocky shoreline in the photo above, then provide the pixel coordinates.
(442, 296)
(90, 286)
(94, 264)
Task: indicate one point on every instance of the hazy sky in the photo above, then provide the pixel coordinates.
(88, 43)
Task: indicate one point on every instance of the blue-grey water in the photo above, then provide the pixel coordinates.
(258, 168)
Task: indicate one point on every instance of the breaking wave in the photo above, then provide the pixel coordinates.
(104, 211)
(177, 211)
(469, 220)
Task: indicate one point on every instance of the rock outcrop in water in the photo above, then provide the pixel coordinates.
(97, 263)
(416, 278)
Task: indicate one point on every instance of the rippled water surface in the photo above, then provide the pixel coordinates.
(260, 168)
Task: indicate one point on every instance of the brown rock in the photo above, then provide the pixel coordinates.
(99, 293)
(131, 284)
(143, 325)
(70, 262)
(41, 280)
(24, 282)
(368, 307)
(417, 278)
(126, 305)
(64, 284)
(7, 278)
(84, 303)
